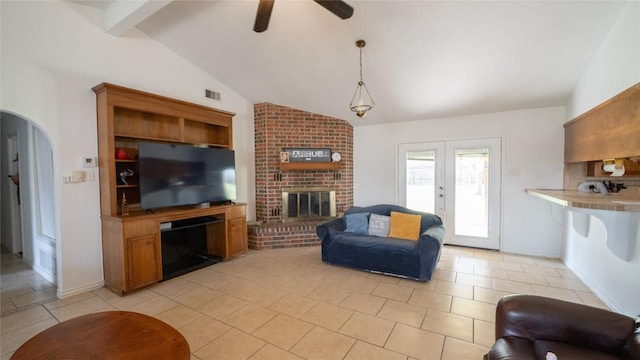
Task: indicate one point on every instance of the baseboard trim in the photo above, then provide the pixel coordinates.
(61, 294)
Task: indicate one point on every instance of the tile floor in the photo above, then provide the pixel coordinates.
(287, 304)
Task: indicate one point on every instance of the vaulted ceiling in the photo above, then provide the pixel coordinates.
(423, 59)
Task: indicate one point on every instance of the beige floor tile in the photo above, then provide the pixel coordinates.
(179, 316)
(474, 280)
(448, 324)
(293, 304)
(6, 306)
(70, 300)
(360, 284)
(283, 331)
(290, 299)
(221, 306)
(474, 309)
(249, 317)
(488, 295)
(491, 272)
(454, 289)
(197, 296)
(528, 278)
(483, 333)
(393, 291)
(505, 266)
(83, 307)
(322, 344)
(421, 285)
(390, 279)
(270, 352)
(12, 340)
(34, 297)
(591, 299)
(264, 296)
(403, 312)
(328, 316)
(368, 304)
(173, 288)
(431, 300)
(300, 286)
(473, 261)
(416, 343)
(362, 350)
(555, 263)
(202, 331)
(562, 294)
(515, 287)
(330, 294)
(442, 274)
(518, 259)
(153, 306)
(371, 329)
(455, 266)
(27, 317)
(455, 349)
(567, 274)
(569, 284)
(233, 344)
(541, 270)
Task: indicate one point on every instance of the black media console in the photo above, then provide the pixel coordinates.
(184, 246)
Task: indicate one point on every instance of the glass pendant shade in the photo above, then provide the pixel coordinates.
(362, 100)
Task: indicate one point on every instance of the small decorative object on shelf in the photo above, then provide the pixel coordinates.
(124, 207)
(125, 174)
(336, 156)
(284, 157)
(121, 154)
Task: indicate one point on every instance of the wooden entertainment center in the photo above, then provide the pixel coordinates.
(131, 243)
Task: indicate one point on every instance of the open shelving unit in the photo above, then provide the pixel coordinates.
(132, 253)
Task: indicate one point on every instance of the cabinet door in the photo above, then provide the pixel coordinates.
(145, 261)
(237, 236)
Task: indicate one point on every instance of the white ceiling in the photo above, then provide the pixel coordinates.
(423, 59)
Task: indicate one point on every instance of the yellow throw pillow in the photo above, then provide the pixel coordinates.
(405, 226)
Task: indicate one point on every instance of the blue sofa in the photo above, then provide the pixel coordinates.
(406, 258)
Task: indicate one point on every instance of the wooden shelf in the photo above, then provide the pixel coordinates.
(301, 166)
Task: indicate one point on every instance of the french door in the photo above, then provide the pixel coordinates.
(460, 182)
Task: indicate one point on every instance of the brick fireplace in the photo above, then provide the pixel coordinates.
(318, 194)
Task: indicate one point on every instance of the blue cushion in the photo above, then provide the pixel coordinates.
(358, 223)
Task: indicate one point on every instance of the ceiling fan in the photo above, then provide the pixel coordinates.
(340, 8)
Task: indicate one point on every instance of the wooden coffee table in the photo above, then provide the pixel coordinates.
(107, 335)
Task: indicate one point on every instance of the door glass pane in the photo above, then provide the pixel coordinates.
(421, 180)
(472, 192)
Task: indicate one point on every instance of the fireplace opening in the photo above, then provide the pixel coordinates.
(308, 204)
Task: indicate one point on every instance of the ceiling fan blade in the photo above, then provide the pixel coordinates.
(263, 15)
(340, 8)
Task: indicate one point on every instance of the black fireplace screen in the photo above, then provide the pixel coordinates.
(307, 204)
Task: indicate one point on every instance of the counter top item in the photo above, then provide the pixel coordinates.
(574, 198)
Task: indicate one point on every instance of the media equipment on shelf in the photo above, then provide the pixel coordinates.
(174, 175)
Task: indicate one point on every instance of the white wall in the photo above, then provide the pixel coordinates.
(53, 53)
(615, 68)
(533, 146)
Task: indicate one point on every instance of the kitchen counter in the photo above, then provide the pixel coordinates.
(573, 198)
(620, 213)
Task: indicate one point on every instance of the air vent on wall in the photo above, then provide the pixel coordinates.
(212, 94)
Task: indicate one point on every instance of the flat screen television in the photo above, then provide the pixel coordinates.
(174, 175)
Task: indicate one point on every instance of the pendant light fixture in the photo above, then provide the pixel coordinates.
(362, 100)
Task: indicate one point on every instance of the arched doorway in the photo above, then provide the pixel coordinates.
(29, 226)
